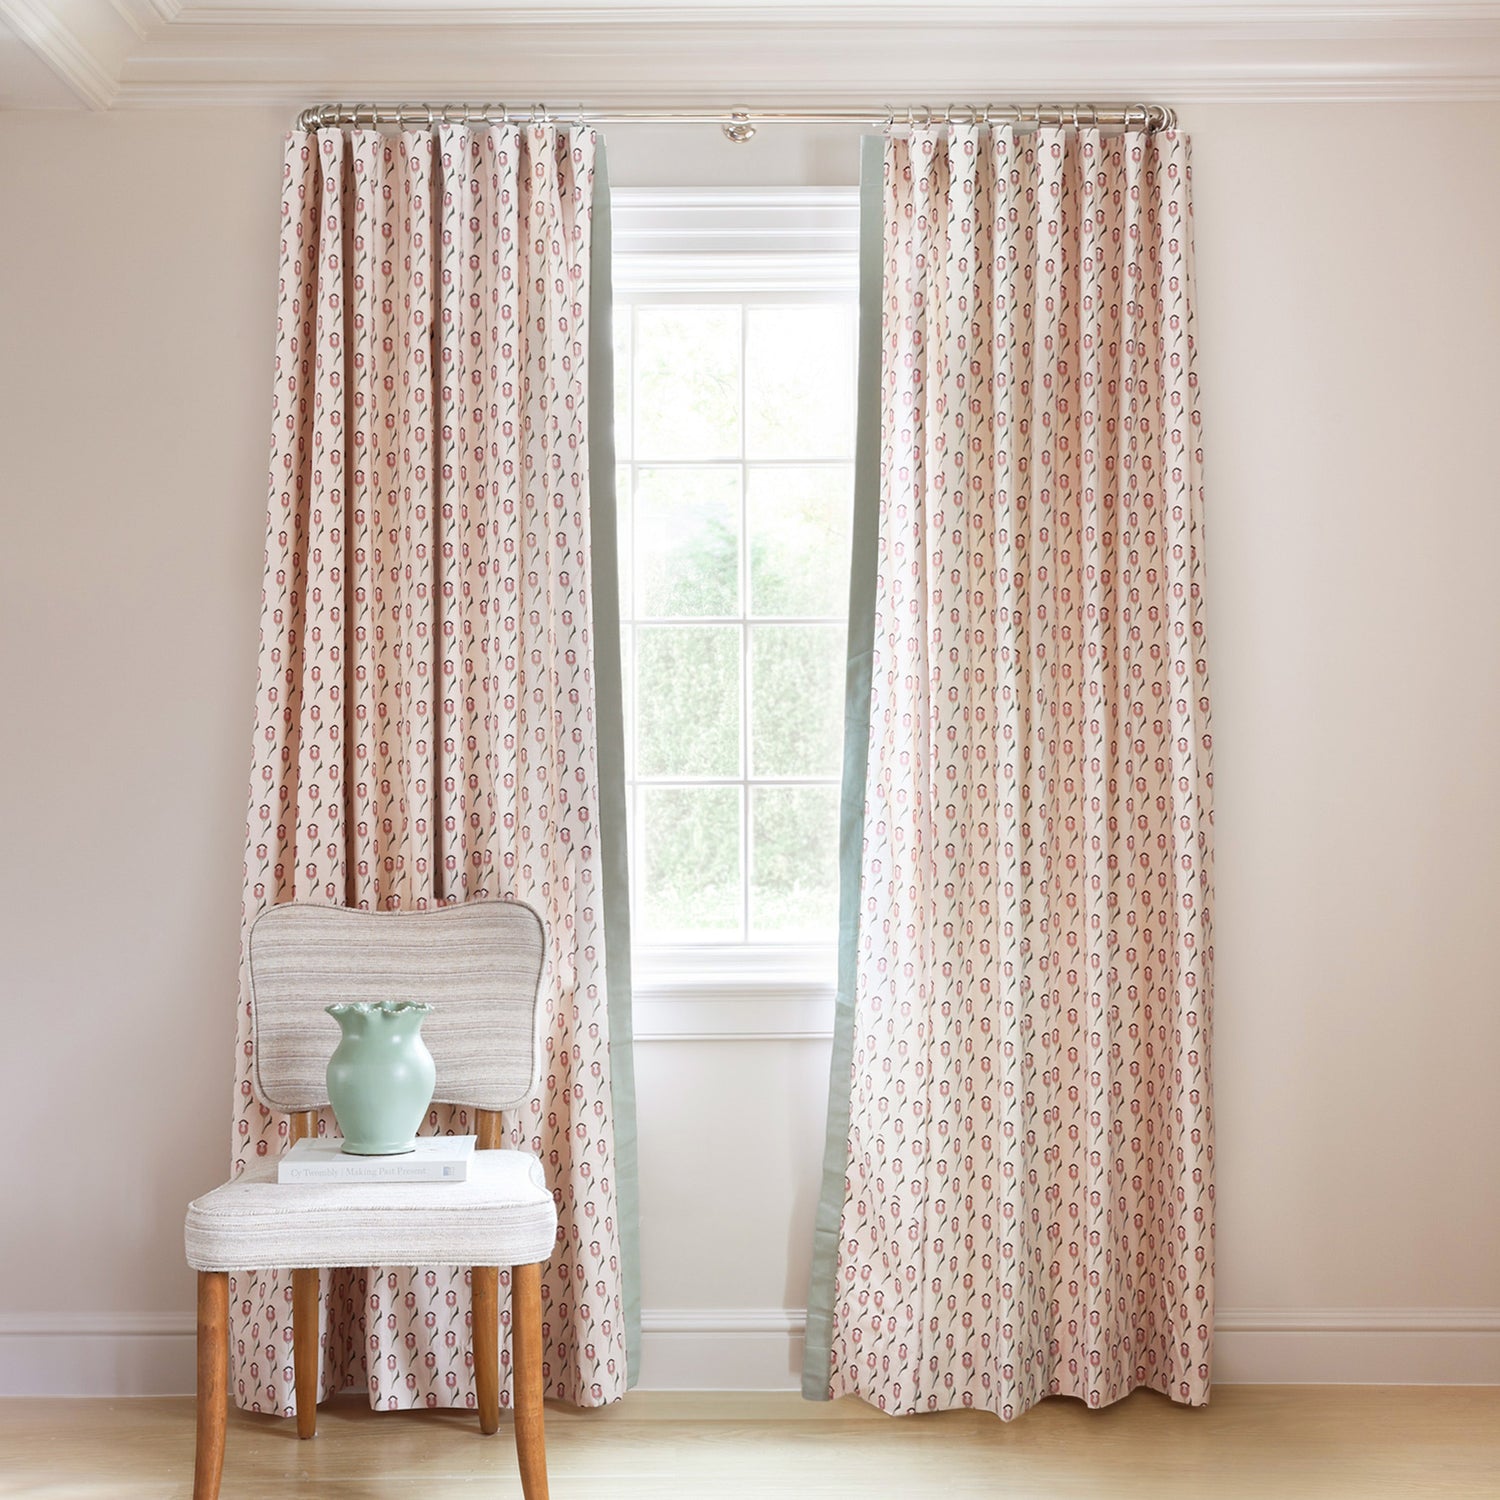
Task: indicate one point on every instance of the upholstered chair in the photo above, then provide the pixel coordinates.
(480, 967)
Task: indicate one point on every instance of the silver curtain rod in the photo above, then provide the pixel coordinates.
(740, 124)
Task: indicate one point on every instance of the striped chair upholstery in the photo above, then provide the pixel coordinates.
(480, 967)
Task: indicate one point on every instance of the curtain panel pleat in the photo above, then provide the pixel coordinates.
(1019, 1191)
(426, 726)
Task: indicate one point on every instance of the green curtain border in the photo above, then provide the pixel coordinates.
(863, 567)
(609, 721)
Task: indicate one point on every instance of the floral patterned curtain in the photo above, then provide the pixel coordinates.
(1021, 1149)
(426, 714)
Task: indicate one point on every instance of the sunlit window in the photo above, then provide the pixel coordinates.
(735, 432)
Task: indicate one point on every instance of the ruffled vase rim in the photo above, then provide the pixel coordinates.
(378, 1008)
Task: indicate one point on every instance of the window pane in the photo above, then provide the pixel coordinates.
(797, 699)
(794, 844)
(687, 700)
(622, 382)
(799, 381)
(687, 382)
(687, 541)
(689, 853)
(799, 539)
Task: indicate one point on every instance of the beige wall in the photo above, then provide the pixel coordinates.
(1350, 318)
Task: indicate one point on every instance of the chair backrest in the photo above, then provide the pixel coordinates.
(478, 965)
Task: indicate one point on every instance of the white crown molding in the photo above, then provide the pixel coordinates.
(134, 16)
(84, 44)
(165, 53)
(142, 15)
(160, 54)
(1292, 19)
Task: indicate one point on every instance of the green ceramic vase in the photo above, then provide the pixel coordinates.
(381, 1076)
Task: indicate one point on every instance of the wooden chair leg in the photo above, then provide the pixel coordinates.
(526, 1377)
(307, 1336)
(484, 1301)
(213, 1382)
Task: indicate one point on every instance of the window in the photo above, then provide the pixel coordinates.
(735, 334)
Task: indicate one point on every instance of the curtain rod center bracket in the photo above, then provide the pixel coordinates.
(738, 128)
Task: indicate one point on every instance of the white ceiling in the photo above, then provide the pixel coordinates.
(104, 54)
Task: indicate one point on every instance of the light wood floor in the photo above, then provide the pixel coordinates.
(1269, 1442)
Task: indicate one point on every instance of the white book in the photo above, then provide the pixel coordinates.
(438, 1158)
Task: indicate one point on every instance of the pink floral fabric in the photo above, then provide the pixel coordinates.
(425, 721)
(1029, 1204)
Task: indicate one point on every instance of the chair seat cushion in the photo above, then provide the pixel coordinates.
(502, 1215)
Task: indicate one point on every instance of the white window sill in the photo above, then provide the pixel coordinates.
(733, 994)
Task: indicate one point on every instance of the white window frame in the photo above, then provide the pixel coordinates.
(741, 245)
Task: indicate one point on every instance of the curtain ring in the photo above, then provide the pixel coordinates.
(738, 127)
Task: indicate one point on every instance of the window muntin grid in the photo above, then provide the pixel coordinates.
(741, 621)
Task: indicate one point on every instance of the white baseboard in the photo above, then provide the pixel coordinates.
(738, 1349)
(760, 1349)
(97, 1354)
(1357, 1346)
